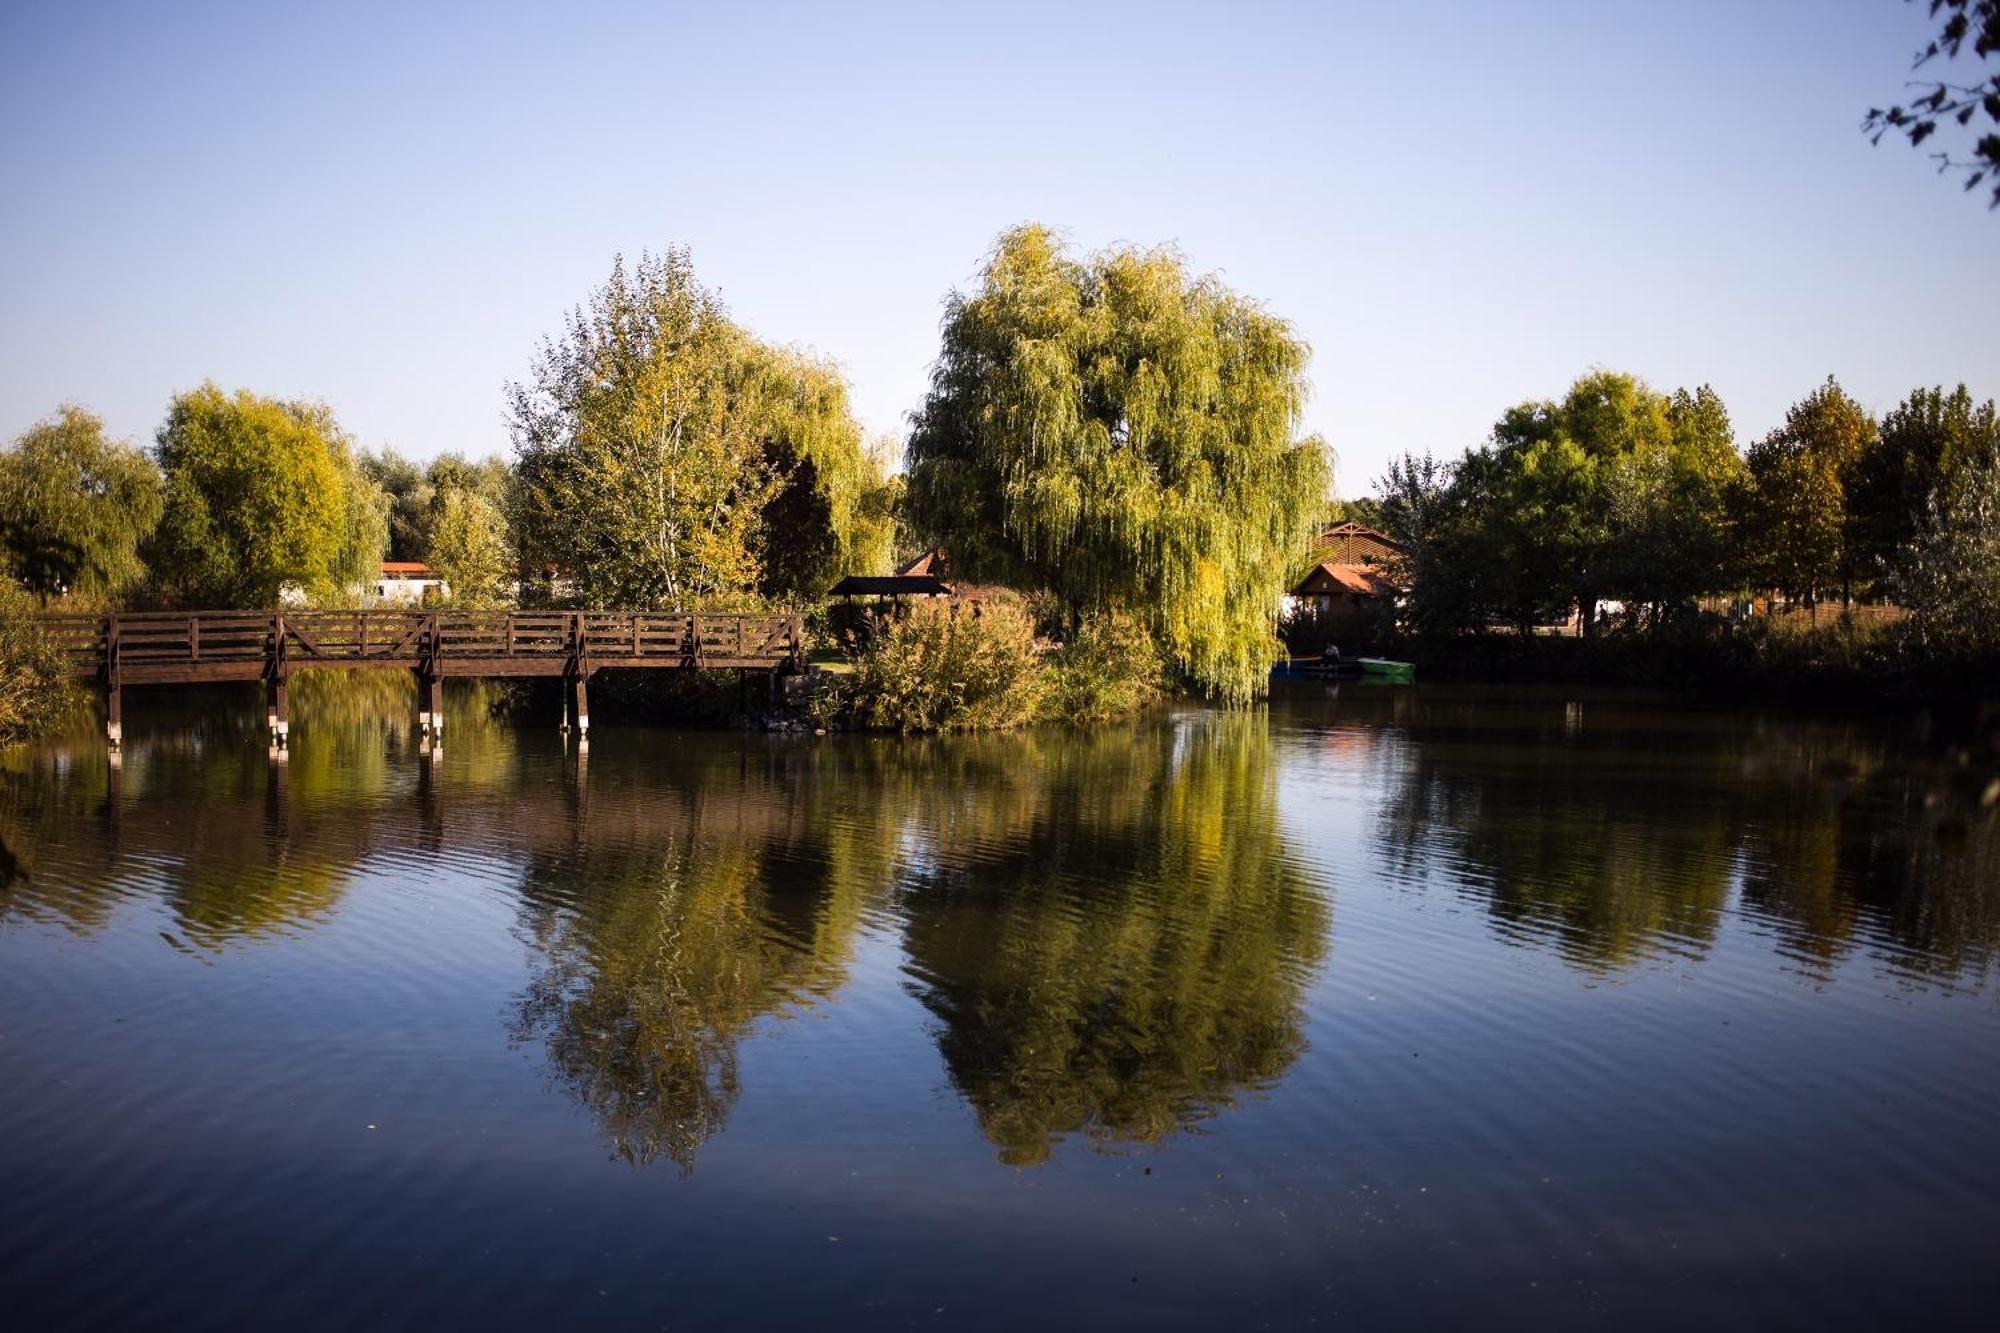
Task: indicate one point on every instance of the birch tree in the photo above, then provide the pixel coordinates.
(641, 478)
(666, 458)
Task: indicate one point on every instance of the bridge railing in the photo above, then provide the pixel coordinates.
(352, 636)
(161, 639)
(637, 634)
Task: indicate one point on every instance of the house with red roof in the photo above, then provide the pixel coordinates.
(1359, 569)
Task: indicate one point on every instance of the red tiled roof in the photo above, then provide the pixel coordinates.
(405, 569)
(1362, 580)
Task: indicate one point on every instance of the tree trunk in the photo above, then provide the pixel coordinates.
(1586, 609)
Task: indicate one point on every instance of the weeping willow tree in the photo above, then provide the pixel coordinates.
(74, 507)
(667, 458)
(1124, 436)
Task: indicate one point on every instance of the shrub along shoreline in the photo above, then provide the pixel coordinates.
(949, 666)
(35, 689)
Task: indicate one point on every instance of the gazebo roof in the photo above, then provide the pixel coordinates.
(890, 585)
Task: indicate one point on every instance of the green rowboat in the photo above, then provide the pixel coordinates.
(1378, 668)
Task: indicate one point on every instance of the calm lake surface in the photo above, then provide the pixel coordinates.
(1384, 1006)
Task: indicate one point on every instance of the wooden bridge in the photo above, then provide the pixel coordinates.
(185, 647)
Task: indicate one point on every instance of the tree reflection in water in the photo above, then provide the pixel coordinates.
(1562, 846)
(1627, 836)
(1109, 928)
(680, 913)
(1111, 931)
(1853, 844)
(196, 815)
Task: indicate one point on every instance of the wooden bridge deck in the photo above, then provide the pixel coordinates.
(187, 647)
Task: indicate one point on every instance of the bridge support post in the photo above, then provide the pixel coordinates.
(582, 706)
(278, 713)
(430, 704)
(114, 689)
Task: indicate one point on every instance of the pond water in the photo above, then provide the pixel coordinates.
(1388, 1006)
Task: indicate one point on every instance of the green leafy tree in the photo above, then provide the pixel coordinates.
(1551, 528)
(828, 516)
(1672, 508)
(1924, 442)
(1949, 573)
(642, 473)
(1556, 468)
(1363, 509)
(489, 478)
(666, 458)
(364, 531)
(416, 495)
(1122, 435)
(1615, 490)
(1972, 105)
(1426, 510)
(261, 494)
(1805, 532)
(878, 529)
(74, 508)
(469, 548)
(410, 497)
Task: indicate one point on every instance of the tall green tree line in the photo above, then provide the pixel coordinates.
(665, 458)
(1620, 492)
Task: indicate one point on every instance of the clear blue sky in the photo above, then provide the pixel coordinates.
(1459, 205)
